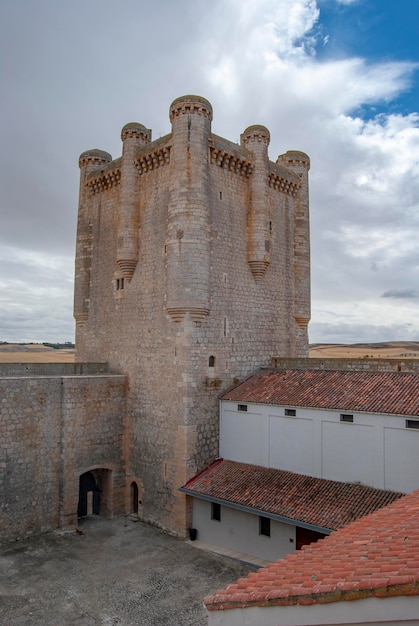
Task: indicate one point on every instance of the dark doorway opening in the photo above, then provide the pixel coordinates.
(306, 536)
(134, 498)
(89, 495)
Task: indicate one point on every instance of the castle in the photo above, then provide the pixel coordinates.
(192, 270)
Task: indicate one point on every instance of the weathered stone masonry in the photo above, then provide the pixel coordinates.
(54, 429)
(192, 269)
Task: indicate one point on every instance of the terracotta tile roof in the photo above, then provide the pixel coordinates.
(375, 556)
(317, 502)
(381, 392)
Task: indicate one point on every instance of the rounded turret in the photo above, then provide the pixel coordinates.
(94, 157)
(188, 224)
(299, 162)
(89, 161)
(256, 140)
(255, 134)
(294, 159)
(134, 136)
(190, 104)
(135, 130)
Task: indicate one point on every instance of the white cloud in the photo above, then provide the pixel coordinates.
(364, 178)
(36, 293)
(369, 321)
(73, 84)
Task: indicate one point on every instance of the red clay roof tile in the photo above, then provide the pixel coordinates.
(380, 392)
(318, 502)
(338, 562)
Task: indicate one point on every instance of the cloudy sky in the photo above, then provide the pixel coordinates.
(338, 79)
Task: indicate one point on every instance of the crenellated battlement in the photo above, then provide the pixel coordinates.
(255, 134)
(190, 105)
(152, 159)
(284, 180)
(108, 178)
(231, 162)
(136, 131)
(294, 158)
(94, 157)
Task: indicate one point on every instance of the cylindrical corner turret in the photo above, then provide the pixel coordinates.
(299, 163)
(134, 136)
(137, 132)
(190, 104)
(256, 139)
(295, 160)
(256, 134)
(88, 162)
(188, 228)
(93, 159)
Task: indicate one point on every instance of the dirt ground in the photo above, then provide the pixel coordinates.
(117, 573)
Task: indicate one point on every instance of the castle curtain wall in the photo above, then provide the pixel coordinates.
(54, 429)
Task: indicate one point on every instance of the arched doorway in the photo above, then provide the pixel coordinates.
(134, 498)
(89, 495)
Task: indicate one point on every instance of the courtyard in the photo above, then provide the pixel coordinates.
(116, 572)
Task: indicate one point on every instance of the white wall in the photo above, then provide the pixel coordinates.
(347, 453)
(235, 434)
(392, 611)
(291, 438)
(376, 450)
(239, 531)
(401, 459)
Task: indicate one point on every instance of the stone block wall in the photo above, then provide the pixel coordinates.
(52, 369)
(53, 429)
(367, 364)
(29, 456)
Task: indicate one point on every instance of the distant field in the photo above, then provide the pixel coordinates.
(34, 353)
(385, 350)
(38, 353)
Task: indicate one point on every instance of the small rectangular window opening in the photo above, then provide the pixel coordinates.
(347, 417)
(216, 511)
(290, 412)
(119, 283)
(242, 407)
(265, 526)
(412, 424)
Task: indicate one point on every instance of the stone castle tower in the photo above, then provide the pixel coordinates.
(192, 270)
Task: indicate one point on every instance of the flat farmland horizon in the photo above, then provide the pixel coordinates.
(34, 353)
(382, 350)
(40, 353)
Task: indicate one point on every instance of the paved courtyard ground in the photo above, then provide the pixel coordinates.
(117, 573)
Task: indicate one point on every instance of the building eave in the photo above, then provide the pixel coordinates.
(261, 512)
